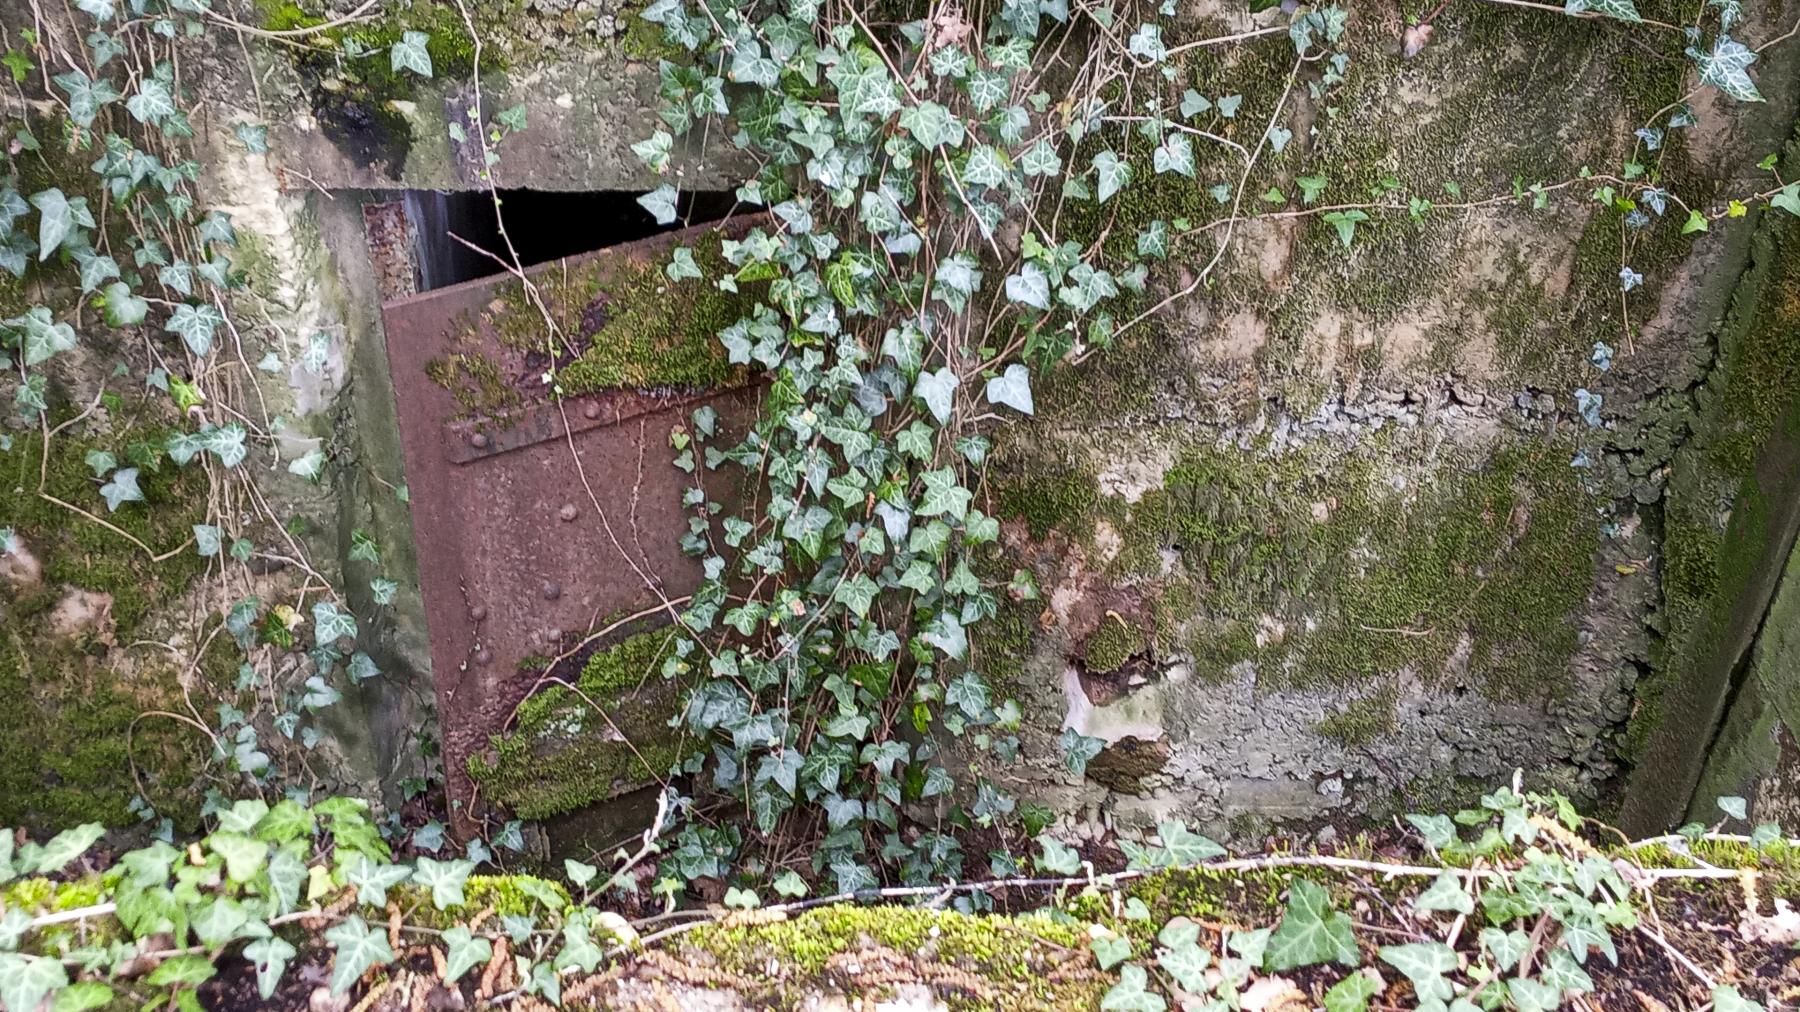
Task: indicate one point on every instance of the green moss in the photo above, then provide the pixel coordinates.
(1111, 645)
(1007, 959)
(1364, 721)
(1048, 492)
(1718, 524)
(623, 326)
(562, 755)
(1367, 580)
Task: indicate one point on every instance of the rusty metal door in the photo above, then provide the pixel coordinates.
(513, 492)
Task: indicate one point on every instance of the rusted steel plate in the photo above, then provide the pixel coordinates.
(515, 559)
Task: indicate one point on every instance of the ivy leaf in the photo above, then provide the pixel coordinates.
(1182, 846)
(40, 335)
(26, 981)
(857, 593)
(445, 880)
(1187, 963)
(271, 957)
(1193, 104)
(931, 125)
(1505, 947)
(660, 202)
(1345, 222)
(190, 970)
(65, 847)
(1113, 172)
(56, 219)
(195, 324)
(1310, 932)
(1623, 10)
(466, 952)
(244, 857)
(938, 390)
(81, 996)
(986, 167)
(410, 53)
(1175, 154)
(331, 623)
(1446, 893)
(1078, 750)
(1029, 287)
(1131, 994)
(1424, 963)
(944, 494)
(1011, 388)
(123, 488)
(358, 949)
(122, 307)
(1787, 198)
(1352, 994)
(1727, 67)
(373, 878)
(1040, 160)
(1110, 950)
(1439, 832)
(1059, 858)
(153, 102)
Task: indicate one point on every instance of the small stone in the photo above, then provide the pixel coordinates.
(567, 513)
(477, 613)
(552, 590)
(479, 441)
(1331, 787)
(591, 411)
(484, 657)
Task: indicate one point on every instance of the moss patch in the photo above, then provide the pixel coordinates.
(63, 740)
(562, 755)
(1111, 645)
(998, 961)
(1364, 720)
(1353, 578)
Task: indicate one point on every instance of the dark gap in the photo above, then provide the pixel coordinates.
(544, 225)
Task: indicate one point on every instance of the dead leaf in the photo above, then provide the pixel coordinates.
(1274, 994)
(1783, 928)
(1414, 39)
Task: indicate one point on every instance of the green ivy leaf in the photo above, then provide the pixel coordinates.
(1735, 807)
(331, 623)
(191, 970)
(1078, 750)
(445, 880)
(1187, 963)
(1727, 67)
(25, 981)
(1131, 993)
(1345, 222)
(1113, 173)
(1011, 388)
(1506, 948)
(121, 307)
(153, 102)
(1310, 932)
(1446, 893)
(1352, 994)
(40, 335)
(1623, 10)
(65, 847)
(1424, 963)
(465, 952)
(1030, 287)
(358, 949)
(243, 856)
(944, 494)
(271, 956)
(1110, 949)
(80, 997)
(372, 878)
(410, 53)
(660, 202)
(1726, 998)
(1059, 858)
(938, 391)
(1696, 222)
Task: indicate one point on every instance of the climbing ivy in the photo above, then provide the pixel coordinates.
(918, 179)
